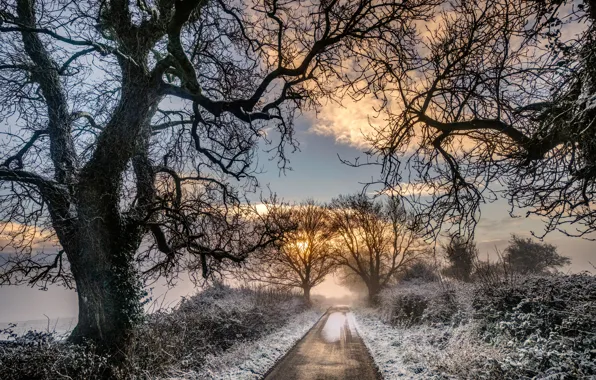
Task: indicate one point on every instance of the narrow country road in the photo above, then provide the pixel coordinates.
(332, 349)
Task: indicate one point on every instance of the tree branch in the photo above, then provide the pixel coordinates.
(18, 157)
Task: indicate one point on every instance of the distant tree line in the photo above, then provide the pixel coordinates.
(367, 240)
(522, 255)
(372, 243)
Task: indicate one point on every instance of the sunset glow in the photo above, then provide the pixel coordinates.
(297, 190)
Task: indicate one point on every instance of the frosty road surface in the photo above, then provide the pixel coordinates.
(332, 349)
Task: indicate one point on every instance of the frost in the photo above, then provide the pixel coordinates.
(252, 360)
(537, 327)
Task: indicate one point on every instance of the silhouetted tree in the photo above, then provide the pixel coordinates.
(487, 271)
(303, 257)
(460, 255)
(140, 121)
(420, 270)
(502, 97)
(526, 255)
(375, 240)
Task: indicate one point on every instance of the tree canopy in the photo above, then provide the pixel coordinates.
(375, 240)
(303, 257)
(525, 255)
(461, 256)
(130, 125)
(497, 103)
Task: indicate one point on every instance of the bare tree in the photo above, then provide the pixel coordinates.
(303, 257)
(499, 104)
(461, 254)
(375, 240)
(140, 121)
(530, 256)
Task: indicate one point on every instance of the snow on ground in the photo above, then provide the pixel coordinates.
(422, 351)
(252, 360)
(383, 343)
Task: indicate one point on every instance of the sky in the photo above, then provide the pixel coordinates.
(316, 173)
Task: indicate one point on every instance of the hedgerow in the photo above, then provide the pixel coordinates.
(181, 339)
(515, 328)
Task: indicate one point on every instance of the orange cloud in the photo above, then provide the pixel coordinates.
(16, 234)
(350, 123)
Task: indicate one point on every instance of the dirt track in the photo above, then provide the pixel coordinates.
(332, 349)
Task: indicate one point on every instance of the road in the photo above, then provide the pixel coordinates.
(332, 349)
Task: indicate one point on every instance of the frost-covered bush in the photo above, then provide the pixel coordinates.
(202, 326)
(408, 308)
(428, 351)
(548, 323)
(38, 355)
(419, 302)
(502, 327)
(212, 322)
(421, 271)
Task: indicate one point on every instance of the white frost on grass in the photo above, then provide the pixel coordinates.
(251, 360)
(423, 351)
(383, 343)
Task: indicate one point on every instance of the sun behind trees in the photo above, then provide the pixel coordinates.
(364, 240)
(303, 257)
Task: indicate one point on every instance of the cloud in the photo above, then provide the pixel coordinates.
(18, 235)
(410, 189)
(349, 123)
(505, 223)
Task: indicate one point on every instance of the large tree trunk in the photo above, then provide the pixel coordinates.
(109, 294)
(374, 288)
(108, 286)
(306, 294)
(104, 241)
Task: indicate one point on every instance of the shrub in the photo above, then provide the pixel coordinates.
(206, 324)
(460, 255)
(505, 326)
(530, 256)
(548, 322)
(408, 308)
(211, 322)
(419, 271)
(37, 355)
(416, 302)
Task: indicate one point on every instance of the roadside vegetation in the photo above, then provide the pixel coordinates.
(504, 322)
(201, 328)
(447, 315)
(133, 133)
